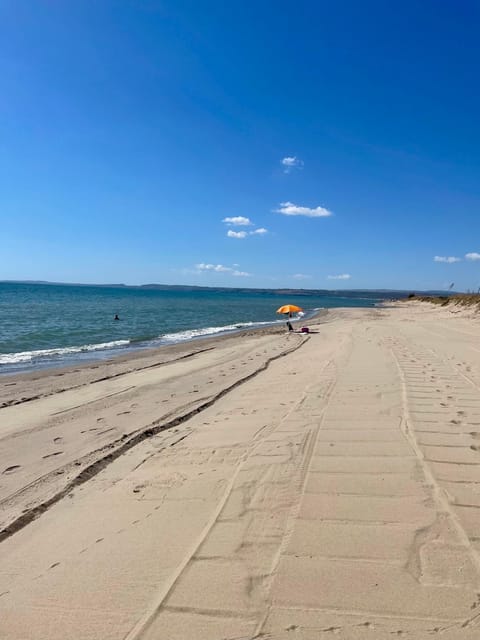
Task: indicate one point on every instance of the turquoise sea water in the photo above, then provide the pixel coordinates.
(54, 325)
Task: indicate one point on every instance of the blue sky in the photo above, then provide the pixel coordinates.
(152, 141)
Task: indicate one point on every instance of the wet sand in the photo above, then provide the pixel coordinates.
(271, 485)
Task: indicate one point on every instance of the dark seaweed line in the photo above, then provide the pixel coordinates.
(151, 430)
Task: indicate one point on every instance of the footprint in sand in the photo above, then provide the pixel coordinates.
(11, 469)
(122, 413)
(134, 405)
(55, 564)
(51, 455)
(100, 419)
(99, 540)
(58, 440)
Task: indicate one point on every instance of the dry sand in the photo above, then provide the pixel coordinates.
(274, 486)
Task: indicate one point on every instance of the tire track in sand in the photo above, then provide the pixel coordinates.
(295, 486)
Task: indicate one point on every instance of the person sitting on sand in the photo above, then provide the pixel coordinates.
(289, 325)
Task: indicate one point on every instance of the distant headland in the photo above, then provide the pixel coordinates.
(397, 293)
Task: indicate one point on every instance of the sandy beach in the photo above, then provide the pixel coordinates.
(265, 485)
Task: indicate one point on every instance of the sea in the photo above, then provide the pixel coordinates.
(56, 325)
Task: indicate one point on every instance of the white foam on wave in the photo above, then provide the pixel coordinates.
(28, 356)
(182, 336)
(168, 338)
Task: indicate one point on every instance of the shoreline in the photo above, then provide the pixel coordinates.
(97, 370)
(133, 349)
(264, 483)
(136, 398)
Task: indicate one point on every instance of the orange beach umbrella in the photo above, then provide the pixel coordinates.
(289, 308)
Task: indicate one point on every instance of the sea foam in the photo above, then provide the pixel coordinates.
(29, 356)
(182, 336)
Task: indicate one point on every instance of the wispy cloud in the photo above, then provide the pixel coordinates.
(472, 256)
(242, 221)
(341, 276)
(290, 163)
(220, 268)
(450, 259)
(243, 234)
(238, 221)
(236, 234)
(290, 209)
(301, 276)
(202, 266)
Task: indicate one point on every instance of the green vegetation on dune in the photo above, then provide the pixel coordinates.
(459, 299)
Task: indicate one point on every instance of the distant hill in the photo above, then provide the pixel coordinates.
(284, 291)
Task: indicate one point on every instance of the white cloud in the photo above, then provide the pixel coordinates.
(341, 276)
(290, 209)
(212, 267)
(236, 234)
(243, 234)
(238, 221)
(472, 256)
(290, 163)
(301, 276)
(241, 221)
(449, 259)
(220, 268)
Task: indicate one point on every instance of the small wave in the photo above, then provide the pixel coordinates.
(29, 356)
(189, 334)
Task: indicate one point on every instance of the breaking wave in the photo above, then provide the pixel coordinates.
(30, 356)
